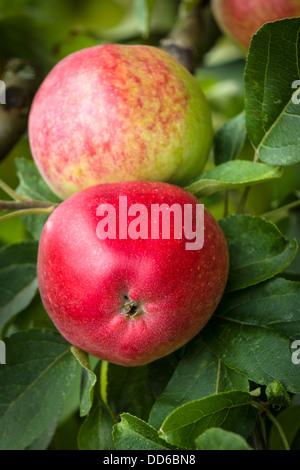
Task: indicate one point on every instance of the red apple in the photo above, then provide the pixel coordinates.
(114, 113)
(241, 19)
(129, 300)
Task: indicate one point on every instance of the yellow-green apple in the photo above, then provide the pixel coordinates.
(241, 19)
(124, 271)
(113, 113)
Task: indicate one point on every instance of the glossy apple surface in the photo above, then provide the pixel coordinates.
(128, 301)
(241, 19)
(114, 113)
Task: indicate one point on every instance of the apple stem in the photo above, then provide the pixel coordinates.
(11, 192)
(281, 210)
(22, 205)
(35, 210)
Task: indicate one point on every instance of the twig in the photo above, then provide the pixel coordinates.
(193, 34)
(226, 204)
(246, 191)
(21, 212)
(24, 205)
(8, 190)
(279, 428)
(257, 438)
(285, 208)
(263, 409)
(243, 199)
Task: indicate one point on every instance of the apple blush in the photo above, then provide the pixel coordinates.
(125, 296)
(114, 113)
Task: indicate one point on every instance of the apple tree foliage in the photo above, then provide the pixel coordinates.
(238, 382)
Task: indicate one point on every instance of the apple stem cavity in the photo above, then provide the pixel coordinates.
(131, 308)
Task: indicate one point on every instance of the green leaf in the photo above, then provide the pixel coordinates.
(144, 10)
(160, 372)
(127, 390)
(88, 381)
(134, 434)
(257, 250)
(134, 390)
(290, 226)
(219, 439)
(229, 139)
(43, 441)
(253, 329)
(272, 119)
(227, 410)
(197, 375)
(18, 283)
(34, 383)
(289, 420)
(31, 183)
(277, 394)
(96, 431)
(33, 186)
(233, 174)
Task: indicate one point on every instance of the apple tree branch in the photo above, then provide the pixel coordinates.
(193, 34)
(20, 80)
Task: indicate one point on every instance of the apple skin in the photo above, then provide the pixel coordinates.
(241, 19)
(86, 281)
(113, 113)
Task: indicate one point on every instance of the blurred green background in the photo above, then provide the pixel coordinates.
(45, 31)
